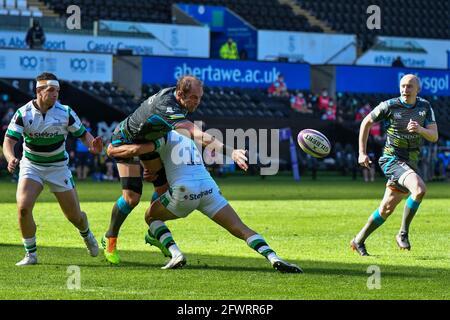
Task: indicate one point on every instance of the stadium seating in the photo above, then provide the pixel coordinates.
(271, 14)
(18, 8)
(405, 18)
(235, 102)
(110, 93)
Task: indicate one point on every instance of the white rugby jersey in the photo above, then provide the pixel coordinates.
(45, 135)
(181, 157)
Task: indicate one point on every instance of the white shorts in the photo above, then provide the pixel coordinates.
(187, 196)
(59, 178)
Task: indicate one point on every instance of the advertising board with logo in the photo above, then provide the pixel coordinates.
(225, 73)
(414, 52)
(314, 48)
(180, 40)
(27, 64)
(67, 42)
(387, 80)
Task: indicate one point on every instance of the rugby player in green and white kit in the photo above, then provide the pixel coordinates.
(409, 120)
(44, 124)
(191, 187)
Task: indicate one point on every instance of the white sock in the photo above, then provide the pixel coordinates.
(174, 250)
(30, 245)
(272, 257)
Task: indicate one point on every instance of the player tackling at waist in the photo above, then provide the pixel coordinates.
(191, 188)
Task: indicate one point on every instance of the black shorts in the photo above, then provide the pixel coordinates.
(396, 170)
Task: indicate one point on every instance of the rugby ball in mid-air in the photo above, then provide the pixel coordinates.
(314, 143)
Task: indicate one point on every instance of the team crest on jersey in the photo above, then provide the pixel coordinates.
(169, 110)
(397, 115)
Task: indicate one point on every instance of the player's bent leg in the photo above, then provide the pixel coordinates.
(27, 192)
(154, 172)
(228, 219)
(417, 187)
(391, 199)
(70, 205)
(158, 234)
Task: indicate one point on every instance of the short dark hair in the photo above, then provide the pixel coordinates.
(46, 76)
(184, 83)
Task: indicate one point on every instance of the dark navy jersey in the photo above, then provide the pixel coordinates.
(396, 115)
(154, 118)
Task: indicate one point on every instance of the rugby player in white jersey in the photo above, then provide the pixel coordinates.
(44, 124)
(191, 188)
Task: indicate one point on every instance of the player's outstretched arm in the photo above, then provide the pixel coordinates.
(95, 145)
(130, 150)
(193, 132)
(363, 158)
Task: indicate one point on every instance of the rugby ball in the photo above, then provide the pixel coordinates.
(314, 143)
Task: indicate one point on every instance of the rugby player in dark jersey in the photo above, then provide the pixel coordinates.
(156, 116)
(409, 119)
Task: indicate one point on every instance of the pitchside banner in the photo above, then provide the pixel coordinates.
(414, 52)
(67, 42)
(27, 64)
(387, 80)
(225, 73)
(448, 59)
(314, 48)
(181, 40)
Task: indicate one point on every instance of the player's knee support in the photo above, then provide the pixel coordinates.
(161, 178)
(123, 206)
(132, 183)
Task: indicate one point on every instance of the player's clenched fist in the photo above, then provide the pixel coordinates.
(413, 126)
(364, 160)
(12, 165)
(96, 145)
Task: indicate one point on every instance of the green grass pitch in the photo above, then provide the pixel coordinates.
(308, 223)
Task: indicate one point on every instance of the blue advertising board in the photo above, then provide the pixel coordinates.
(26, 64)
(225, 73)
(387, 80)
(448, 59)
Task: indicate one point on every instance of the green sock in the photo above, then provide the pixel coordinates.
(411, 207)
(375, 220)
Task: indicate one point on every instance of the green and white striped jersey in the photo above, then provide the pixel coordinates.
(45, 134)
